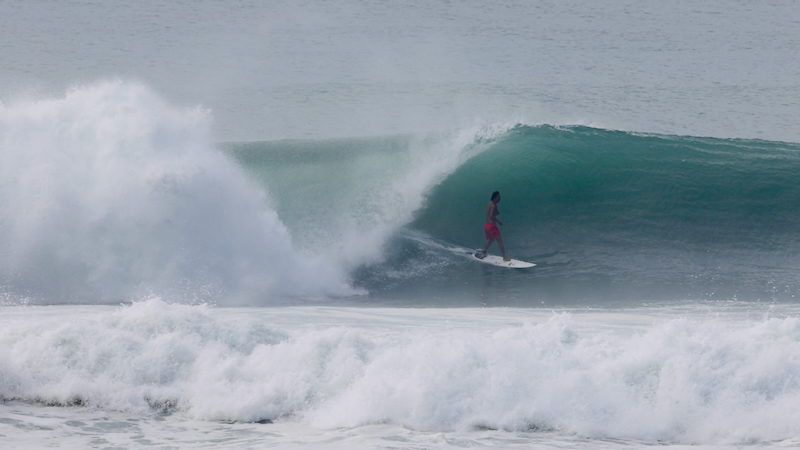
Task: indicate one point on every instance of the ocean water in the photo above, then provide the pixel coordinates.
(245, 224)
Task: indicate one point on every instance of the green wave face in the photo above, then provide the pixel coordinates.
(581, 183)
(614, 216)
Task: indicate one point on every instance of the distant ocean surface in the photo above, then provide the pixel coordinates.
(247, 224)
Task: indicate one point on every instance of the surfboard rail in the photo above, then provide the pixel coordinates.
(498, 261)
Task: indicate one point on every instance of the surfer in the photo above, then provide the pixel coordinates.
(490, 227)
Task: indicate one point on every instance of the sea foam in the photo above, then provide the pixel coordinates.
(692, 381)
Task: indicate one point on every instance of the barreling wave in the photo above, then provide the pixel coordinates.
(654, 190)
(110, 194)
(659, 217)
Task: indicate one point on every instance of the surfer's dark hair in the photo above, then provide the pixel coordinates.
(495, 194)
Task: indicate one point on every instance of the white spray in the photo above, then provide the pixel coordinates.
(109, 193)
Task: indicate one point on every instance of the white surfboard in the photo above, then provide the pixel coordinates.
(467, 253)
(498, 261)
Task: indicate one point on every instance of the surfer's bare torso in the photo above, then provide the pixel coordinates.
(492, 211)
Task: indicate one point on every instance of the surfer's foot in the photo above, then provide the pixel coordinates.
(480, 255)
(506, 259)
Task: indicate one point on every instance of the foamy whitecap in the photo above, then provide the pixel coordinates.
(690, 381)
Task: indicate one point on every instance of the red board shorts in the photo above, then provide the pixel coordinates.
(491, 231)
